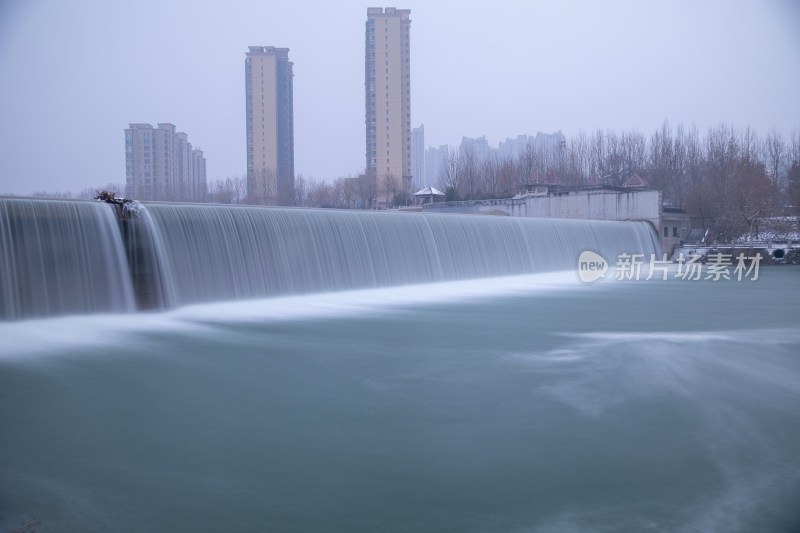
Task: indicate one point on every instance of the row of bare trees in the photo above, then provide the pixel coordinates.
(670, 159)
(730, 178)
(344, 193)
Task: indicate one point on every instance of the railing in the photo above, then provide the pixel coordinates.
(770, 244)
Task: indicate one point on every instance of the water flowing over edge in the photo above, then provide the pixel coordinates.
(61, 257)
(176, 255)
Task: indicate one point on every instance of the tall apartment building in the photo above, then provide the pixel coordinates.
(270, 126)
(435, 162)
(387, 84)
(160, 164)
(418, 157)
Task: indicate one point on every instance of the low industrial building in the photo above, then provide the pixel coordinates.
(549, 199)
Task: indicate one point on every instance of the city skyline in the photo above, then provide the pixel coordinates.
(496, 73)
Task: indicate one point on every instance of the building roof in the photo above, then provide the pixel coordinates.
(635, 181)
(553, 178)
(536, 177)
(429, 191)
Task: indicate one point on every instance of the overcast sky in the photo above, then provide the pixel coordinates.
(74, 74)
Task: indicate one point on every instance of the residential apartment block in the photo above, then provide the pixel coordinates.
(387, 85)
(270, 126)
(418, 158)
(160, 164)
(435, 163)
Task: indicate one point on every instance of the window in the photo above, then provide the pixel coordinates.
(675, 232)
(666, 231)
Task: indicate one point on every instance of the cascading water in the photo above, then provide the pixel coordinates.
(64, 257)
(218, 253)
(61, 257)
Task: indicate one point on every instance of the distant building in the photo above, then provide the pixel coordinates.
(270, 126)
(545, 197)
(478, 149)
(387, 87)
(545, 143)
(160, 164)
(435, 162)
(513, 148)
(418, 157)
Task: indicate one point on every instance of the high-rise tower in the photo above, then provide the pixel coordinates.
(270, 126)
(387, 84)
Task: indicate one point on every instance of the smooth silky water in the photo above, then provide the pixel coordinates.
(526, 402)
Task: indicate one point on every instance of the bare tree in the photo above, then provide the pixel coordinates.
(231, 190)
(449, 178)
(57, 194)
(320, 194)
(776, 152)
(793, 187)
(89, 193)
(366, 190)
(262, 187)
(300, 190)
(750, 196)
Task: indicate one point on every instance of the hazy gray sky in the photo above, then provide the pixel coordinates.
(74, 74)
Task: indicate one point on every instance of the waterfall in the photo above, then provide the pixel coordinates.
(65, 257)
(61, 257)
(222, 253)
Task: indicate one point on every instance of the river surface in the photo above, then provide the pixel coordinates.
(530, 403)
